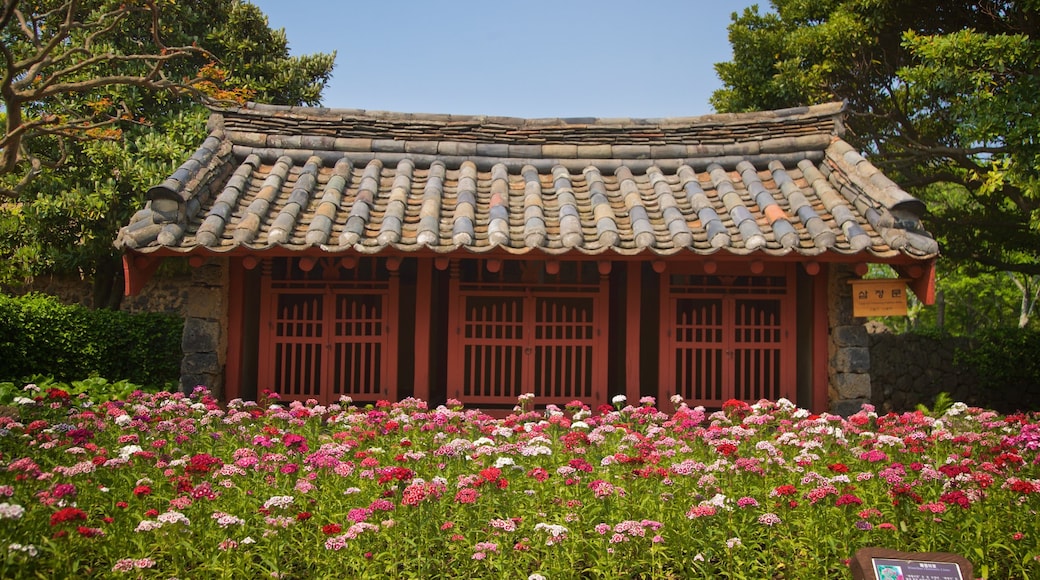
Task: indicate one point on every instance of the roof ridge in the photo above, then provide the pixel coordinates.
(248, 124)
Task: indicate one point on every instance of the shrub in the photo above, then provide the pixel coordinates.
(40, 334)
(1007, 361)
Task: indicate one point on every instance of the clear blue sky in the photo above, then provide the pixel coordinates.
(539, 58)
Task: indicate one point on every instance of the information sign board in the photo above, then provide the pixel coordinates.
(879, 297)
(886, 564)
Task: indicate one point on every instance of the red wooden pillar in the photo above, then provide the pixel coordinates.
(633, 300)
(423, 313)
(390, 376)
(235, 306)
(455, 356)
(821, 324)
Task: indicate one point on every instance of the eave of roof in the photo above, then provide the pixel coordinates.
(770, 183)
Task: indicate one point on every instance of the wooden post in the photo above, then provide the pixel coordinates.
(394, 300)
(633, 300)
(820, 326)
(423, 313)
(233, 362)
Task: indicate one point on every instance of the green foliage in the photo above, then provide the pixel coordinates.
(88, 182)
(970, 303)
(943, 401)
(941, 95)
(96, 389)
(71, 342)
(1008, 360)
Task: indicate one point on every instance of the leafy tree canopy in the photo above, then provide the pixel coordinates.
(941, 93)
(103, 98)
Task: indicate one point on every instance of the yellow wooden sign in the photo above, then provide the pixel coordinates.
(879, 297)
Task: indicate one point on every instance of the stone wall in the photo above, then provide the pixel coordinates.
(205, 328)
(848, 371)
(911, 369)
(163, 292)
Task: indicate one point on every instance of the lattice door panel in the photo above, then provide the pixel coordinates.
(298, 343)
(564, 345)
(325, 344)
(698, 349)
(758, 346)
(725, 342)
(493, 348)
(510, 344)
(359, 346)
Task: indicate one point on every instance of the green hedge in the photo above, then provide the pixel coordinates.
(1007, 362)
(41, 336)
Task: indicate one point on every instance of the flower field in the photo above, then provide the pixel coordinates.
(172, 486)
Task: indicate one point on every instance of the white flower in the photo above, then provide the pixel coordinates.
(279, 501)
(23, 401)
(11, 511)
(127, 451)
(504, 461)
(619, 400)
(29, 549)
(123, 420)
(956, 409)
(555, 530)
(676, 399)
(579, 425)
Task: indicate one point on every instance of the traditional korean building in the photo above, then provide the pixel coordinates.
(384, 255)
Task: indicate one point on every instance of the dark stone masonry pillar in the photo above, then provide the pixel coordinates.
(848, 371)
(204, 341)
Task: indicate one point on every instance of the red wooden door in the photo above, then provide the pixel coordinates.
(508, 339)
(324, 339)
(727, 338)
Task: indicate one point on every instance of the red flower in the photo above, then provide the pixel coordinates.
(89, 532)
(726, 449)
(57, 394)
(68, 514)
(784, 490)
(303, 516)
(142, 490)
(538, 473)
(848, 499)
(490, 473)
(202, 463)
(151, 513)
(467, 495)
(838, 468)
(329, 529)
(956, 497)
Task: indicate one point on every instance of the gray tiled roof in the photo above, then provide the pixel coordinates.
(773, 182)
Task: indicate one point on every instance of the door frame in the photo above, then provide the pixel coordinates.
(528, 293)
(728, 294)
(330, 289)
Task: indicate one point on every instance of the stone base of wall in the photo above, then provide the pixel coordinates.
(162, 293)
(911, 369)
(848, 369)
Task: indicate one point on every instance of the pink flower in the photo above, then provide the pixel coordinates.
(746, 502)
(700, 511)
(769, 519)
